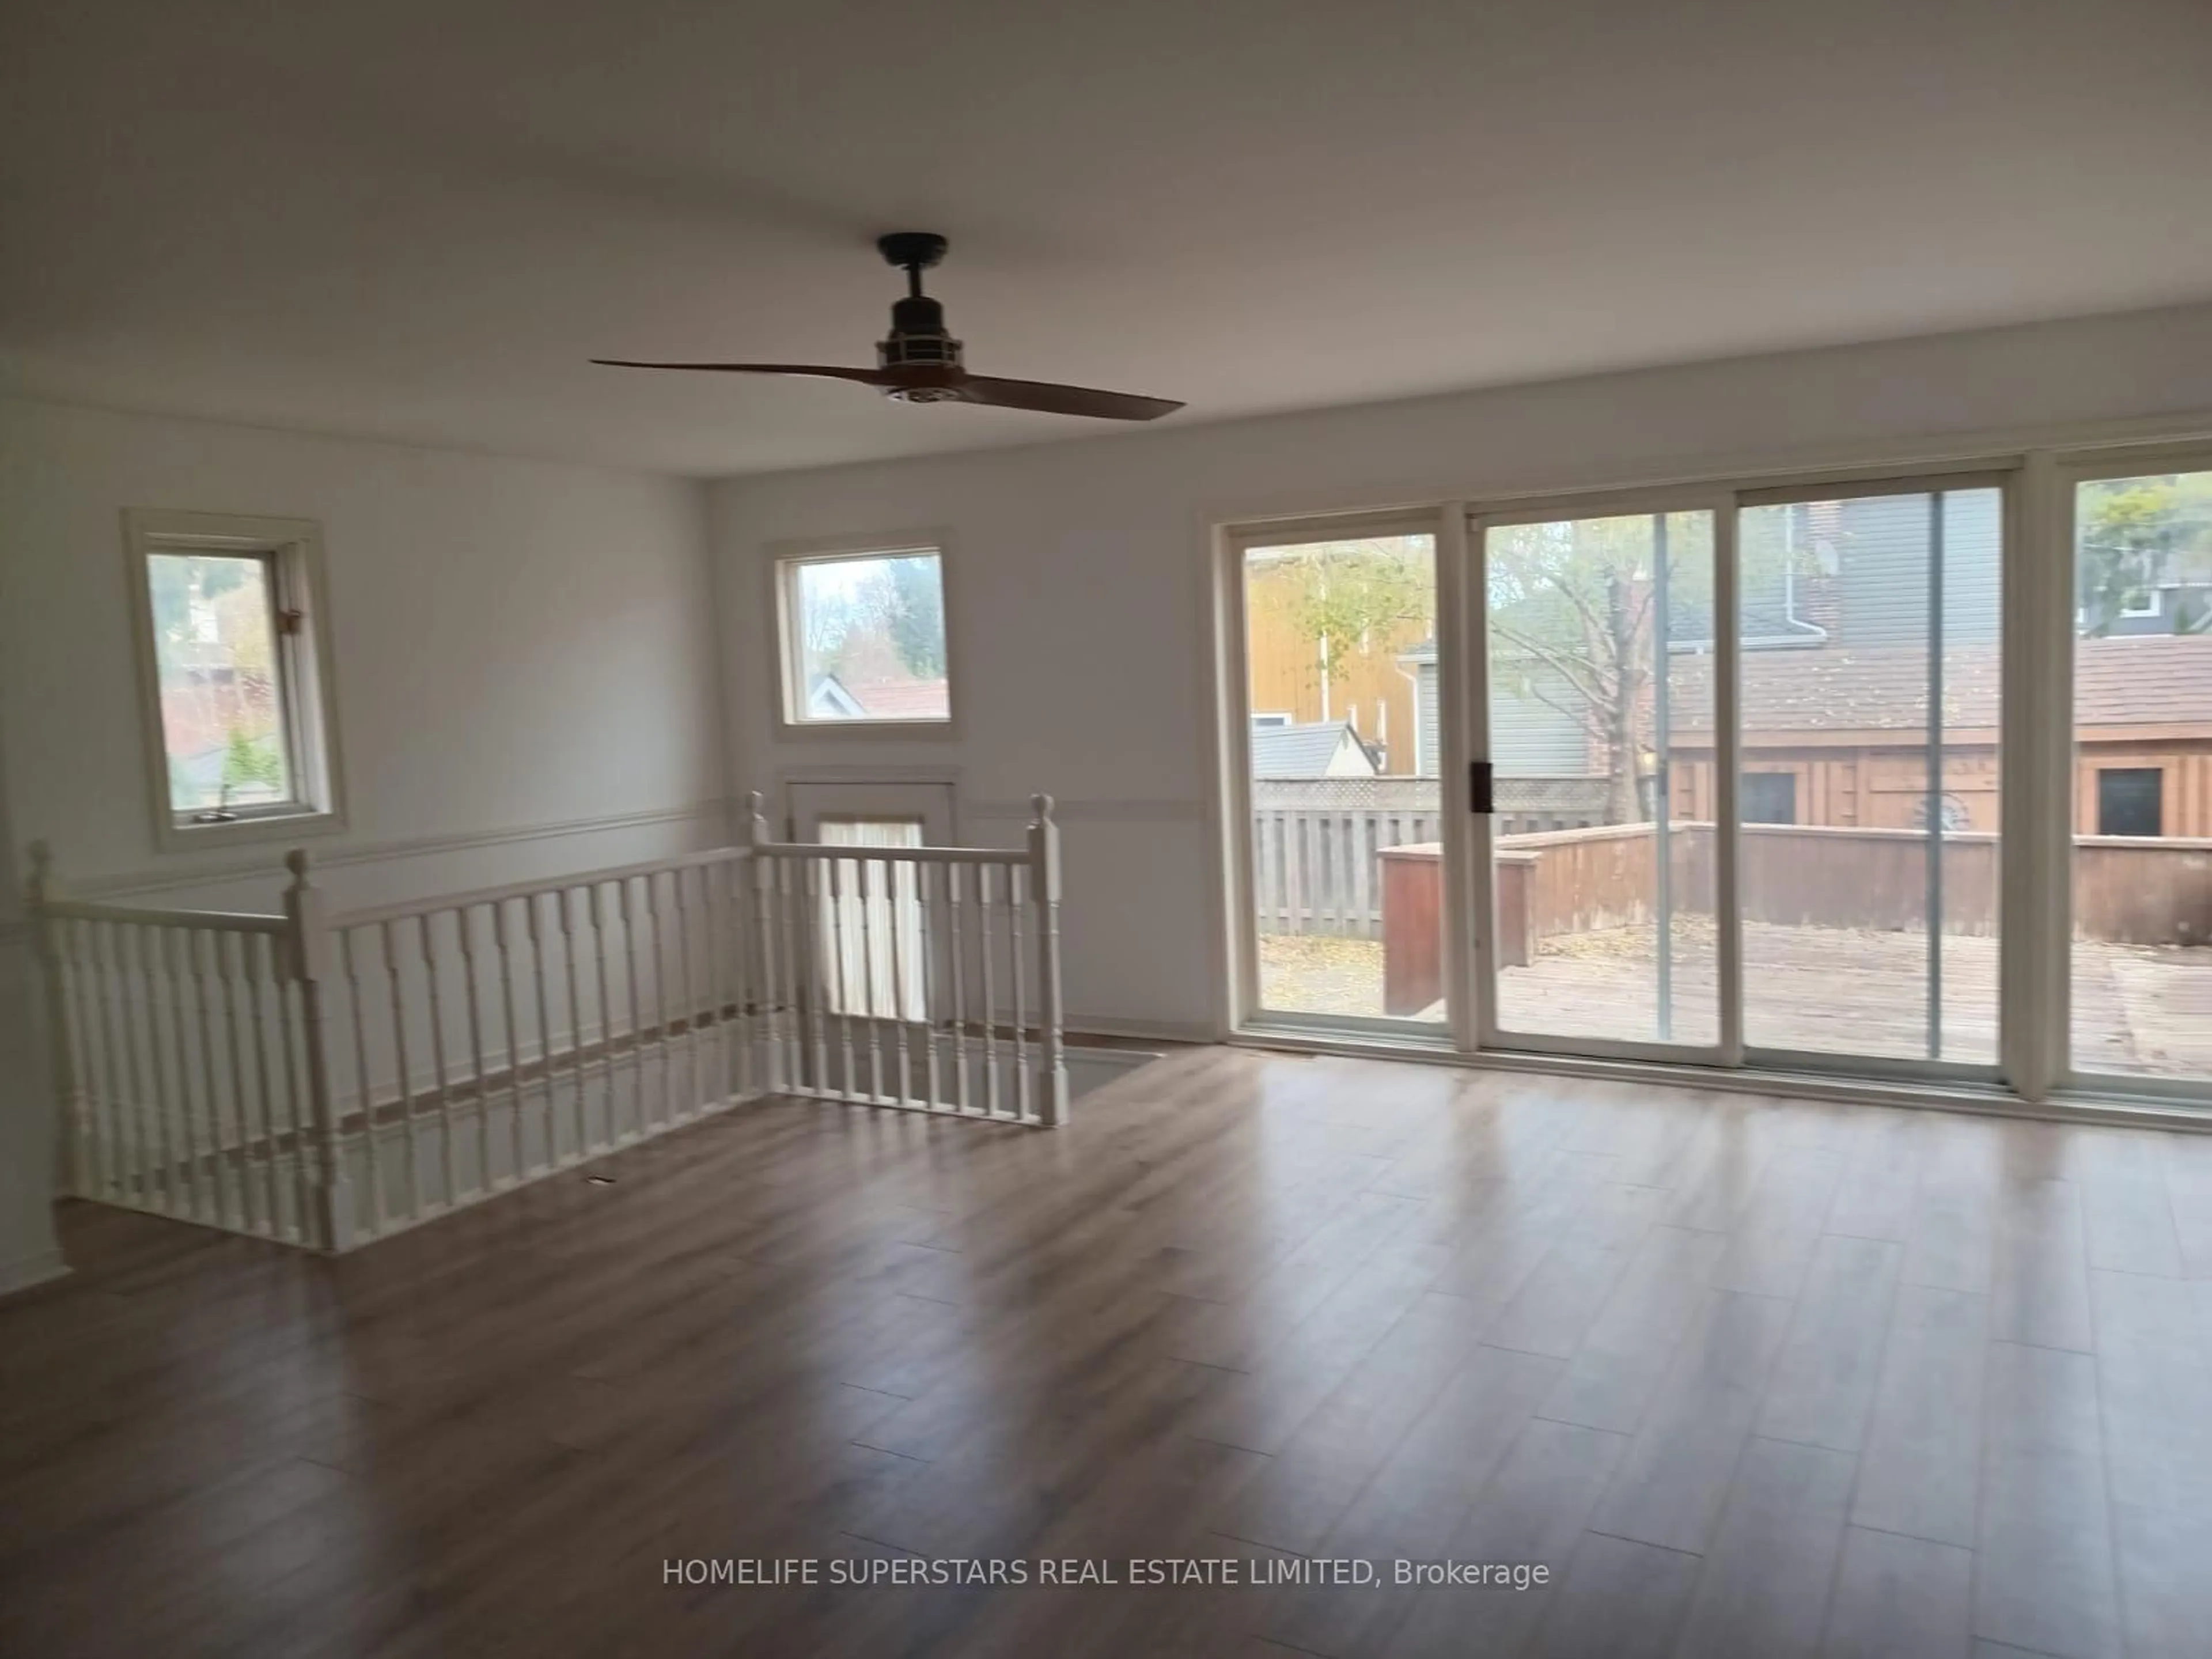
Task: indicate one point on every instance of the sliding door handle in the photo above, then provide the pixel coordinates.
(1481, 792)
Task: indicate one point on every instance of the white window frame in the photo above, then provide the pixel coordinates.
(786, 561)
(292, 550)
(1247, 1013)
(2058, 1075)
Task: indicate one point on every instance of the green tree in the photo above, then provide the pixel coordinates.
(905, 600)
(2136, 533)
(1346, 596)
(1573, 625)
(251, 763)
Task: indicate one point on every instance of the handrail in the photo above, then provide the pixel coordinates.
(225, 921)
(822, 851)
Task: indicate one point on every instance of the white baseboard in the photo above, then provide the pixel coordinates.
(26, 1271)
(1143, 1030)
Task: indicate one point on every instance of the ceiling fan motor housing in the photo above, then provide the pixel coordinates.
(918, 340)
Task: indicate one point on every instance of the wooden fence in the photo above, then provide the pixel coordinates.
(1317, 844)
(1317, 870)
(2127, 890)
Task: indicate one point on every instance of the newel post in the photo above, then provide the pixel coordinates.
(1044, 895)
(330, 1188)
(43, 887)
(761, 1046)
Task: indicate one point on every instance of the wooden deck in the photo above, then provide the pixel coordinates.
(2137, 1009)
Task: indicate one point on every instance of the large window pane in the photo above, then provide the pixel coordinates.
(1600, 651)
(868, 639)
(1347, 889)
(223, 720)
(2143, 776)
(1868, 719)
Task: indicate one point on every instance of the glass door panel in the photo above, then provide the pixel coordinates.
(2141, 948)
(1342, 752)
(1600, 646)
(1868, 713)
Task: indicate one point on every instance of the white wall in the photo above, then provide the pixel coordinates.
(520, 647)
(27, 1234)
(526, 657)
(1079, 601)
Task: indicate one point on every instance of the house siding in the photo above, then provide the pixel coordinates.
(1529, 738)
(1883, 559)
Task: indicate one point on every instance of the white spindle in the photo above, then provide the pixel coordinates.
(201, 1143)
(711, 920)
(895, 879)
(433, 996)
(806, 886)
(85, 1087)
(963, 1099)
(513, 1033)
(145, 995)
(693, 1100)
(371, 1142)
(200, 946)
(733, 943)
(332, 1223)
(410, 1155)
(259, 1214)
(1044, 893)
(925, 938)
(278, 988)
(473, 1004)
(834, 869)
(1016, 908)
(584, 1141)
(658, 957)
(987, 938)
(637, 1010)
(532, 905)
(600, 953)
(870, 1003)
(145, 1124)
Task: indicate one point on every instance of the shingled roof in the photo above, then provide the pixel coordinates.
(2146, 680)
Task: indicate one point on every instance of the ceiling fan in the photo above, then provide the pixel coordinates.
(919, 362)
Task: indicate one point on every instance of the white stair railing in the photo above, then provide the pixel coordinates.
(327, 1080)
(926, 978)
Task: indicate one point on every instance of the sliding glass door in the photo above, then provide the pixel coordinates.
(1596, 730)
(1869, 630)
(1336, 747)
(2140, 778)
(1902, 775)
(1739, 775)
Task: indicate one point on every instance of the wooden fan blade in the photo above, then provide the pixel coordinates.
(1049, 399)
(820, 371)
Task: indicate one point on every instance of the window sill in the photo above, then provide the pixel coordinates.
(175, 837)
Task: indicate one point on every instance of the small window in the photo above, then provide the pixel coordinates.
(2130, 800)
(864, 638)
(1770, 798)
(2140, 602)
(1269, 722)
(236, 710)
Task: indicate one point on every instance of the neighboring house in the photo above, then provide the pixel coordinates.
(1834, 699)
(831, 698)
(1366, 684)
(1331, 749)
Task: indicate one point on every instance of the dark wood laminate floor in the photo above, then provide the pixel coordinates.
(1748, 1377)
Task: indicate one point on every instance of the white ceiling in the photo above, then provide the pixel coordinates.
(416, 218)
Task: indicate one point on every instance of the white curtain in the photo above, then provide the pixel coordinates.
(858, 933)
